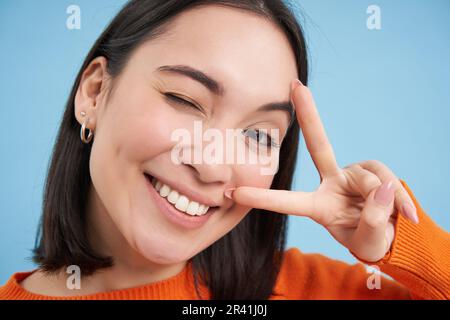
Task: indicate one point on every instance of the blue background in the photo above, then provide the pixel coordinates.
(382, 94)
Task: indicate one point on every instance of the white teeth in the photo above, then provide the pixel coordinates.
(164, 191)
(192, 208)
(173, 197)
(205, 209)
(180, 201)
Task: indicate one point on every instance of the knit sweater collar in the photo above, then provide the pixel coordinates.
(179, 286)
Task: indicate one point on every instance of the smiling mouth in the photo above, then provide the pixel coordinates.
(178, 200)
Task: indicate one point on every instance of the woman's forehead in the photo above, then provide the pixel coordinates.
(232, 45)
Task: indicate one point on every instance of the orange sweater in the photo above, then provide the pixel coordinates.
(419, 263)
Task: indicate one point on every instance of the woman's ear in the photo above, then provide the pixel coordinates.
(91, 91)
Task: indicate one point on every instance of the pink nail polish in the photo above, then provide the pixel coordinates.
(385, 193)
(228, 193)
(410, 211)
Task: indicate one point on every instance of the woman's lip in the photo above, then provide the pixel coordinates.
(172, 214)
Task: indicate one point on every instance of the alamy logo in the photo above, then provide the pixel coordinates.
(374, 18)
(73, 21)
(374, 280)
(74, 280)
(211, 146)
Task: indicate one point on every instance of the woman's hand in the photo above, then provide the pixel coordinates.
(356, 204)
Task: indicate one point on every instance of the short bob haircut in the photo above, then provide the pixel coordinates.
(244, 263)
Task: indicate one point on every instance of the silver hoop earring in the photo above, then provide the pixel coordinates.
(82, 132)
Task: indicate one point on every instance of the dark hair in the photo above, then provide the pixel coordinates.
(244, 263)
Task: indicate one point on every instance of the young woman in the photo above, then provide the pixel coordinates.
(139, 226)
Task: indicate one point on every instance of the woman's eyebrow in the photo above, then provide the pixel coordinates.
(212, 85)
(279, 106)
(218, 89)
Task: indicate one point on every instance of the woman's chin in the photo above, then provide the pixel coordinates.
(159, 247)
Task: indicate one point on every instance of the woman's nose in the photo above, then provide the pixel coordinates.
(212, 173)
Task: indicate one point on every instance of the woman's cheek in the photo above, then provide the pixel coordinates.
(146, 135)
(251, 175)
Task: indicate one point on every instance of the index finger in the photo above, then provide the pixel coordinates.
(316, 138)
(281, 201)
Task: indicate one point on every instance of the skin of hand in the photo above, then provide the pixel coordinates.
(356, 204)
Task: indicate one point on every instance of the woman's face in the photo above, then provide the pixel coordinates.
(252, 62)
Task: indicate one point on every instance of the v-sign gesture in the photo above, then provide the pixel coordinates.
(356, 204)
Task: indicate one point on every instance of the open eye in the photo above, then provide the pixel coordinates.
(261, 137)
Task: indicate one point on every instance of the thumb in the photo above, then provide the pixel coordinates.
(369, 240)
